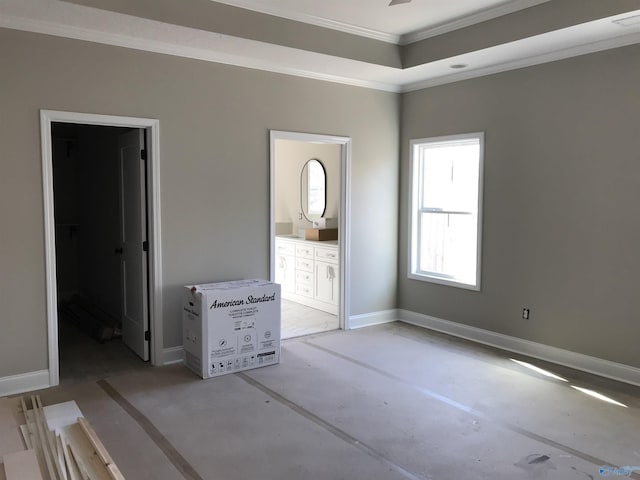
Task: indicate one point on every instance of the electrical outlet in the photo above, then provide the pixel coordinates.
(525, 314)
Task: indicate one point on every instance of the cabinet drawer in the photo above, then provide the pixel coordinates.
(304, 251)
(326, 254)
(304, 277)
(285, 248)
(304, 290)
(305, 264)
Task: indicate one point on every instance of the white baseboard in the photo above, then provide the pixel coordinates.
(24, 382)
(375, 318)
(585, 363)
(172, 355)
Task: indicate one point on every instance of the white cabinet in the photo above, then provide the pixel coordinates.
(326, 278)
(285, 266)
(326, 282)
(308, 272)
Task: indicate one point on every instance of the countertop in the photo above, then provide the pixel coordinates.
(320, 243)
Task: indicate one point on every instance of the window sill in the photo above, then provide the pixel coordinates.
(444, 281)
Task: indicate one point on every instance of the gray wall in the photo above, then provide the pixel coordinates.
(561, 202)
(214, 127)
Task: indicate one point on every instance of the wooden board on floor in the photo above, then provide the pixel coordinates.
(22, 466)
(100, 449)
(89, 463)
(27, 437)
(72, 466)
(42, 438)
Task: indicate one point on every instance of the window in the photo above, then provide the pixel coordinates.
(446, 210)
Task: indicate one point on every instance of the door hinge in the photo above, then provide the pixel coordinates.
(145, 246)
(143, 154)
(147, 335)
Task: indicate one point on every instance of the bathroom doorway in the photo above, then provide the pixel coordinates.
(310, 230)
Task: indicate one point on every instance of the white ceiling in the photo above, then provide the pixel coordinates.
(376, 19)
(69, 20)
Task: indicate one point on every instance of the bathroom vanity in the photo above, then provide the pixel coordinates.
(308, 272)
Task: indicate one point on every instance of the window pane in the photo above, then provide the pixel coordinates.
(446, 219)
(450, 176)
(448, 245)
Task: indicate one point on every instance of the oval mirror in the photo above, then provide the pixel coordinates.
(313, 190)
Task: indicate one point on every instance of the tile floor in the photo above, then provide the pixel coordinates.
(299, 320)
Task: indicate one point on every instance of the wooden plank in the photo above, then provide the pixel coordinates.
(115, 472)
(57, 416)
(42, 439)
(100, 449)
(89, 463)
(34, 438)
(51, 439)
(22, 466)
(95, 441)
(72, 467)
(84, 474)
(60, 458)
(26, 437)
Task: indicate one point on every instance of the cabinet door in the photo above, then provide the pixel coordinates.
(286, 272)
(327, 281)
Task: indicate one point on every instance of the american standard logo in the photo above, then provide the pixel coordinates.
(236, 303)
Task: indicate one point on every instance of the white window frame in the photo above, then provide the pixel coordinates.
(413, 271)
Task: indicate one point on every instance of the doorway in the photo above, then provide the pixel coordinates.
(309, 190)
(102, 243)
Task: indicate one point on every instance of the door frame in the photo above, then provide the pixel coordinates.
(344, 237)
(152, 128)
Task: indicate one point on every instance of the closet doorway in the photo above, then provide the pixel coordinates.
(310, 230)
(101, 227)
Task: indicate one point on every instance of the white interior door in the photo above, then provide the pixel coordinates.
(133, 243)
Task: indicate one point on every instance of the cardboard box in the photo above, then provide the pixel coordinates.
(229, 327)
(321, 234)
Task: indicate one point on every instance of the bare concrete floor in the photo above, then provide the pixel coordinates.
(386, 402)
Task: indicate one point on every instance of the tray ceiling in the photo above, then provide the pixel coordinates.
(364, 43)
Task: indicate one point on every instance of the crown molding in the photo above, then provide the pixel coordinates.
(483, 16)
(405, 39)
(186, 51)
(561, 54)
(257, 6)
